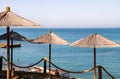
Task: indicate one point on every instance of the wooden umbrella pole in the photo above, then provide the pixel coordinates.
(11, 55)
(94, 63)
(8, 53)
(49, 60)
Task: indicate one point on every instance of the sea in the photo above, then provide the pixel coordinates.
(67, 57)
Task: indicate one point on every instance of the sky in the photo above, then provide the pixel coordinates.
(67, 13)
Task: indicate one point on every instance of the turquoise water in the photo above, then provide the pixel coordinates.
(68, 57)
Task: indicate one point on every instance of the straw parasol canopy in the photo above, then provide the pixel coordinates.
(10, 19)
(14, 36)
(95, 41)
(50, 38)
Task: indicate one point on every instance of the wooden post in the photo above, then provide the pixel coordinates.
(8, 53)
(99, 72)
(94, 63)
(11, 53)
(13, 72)
(0, 63)
(49, 61)
(45, 64)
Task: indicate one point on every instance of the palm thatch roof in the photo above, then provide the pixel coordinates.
(8, 18)
(95, 40)
(14, 36)
(50, 38)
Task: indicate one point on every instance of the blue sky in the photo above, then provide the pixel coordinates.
(67, 13)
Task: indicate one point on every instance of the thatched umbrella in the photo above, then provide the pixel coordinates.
(14, 36)
(50, 38)
(95, 41)
(8, 19)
